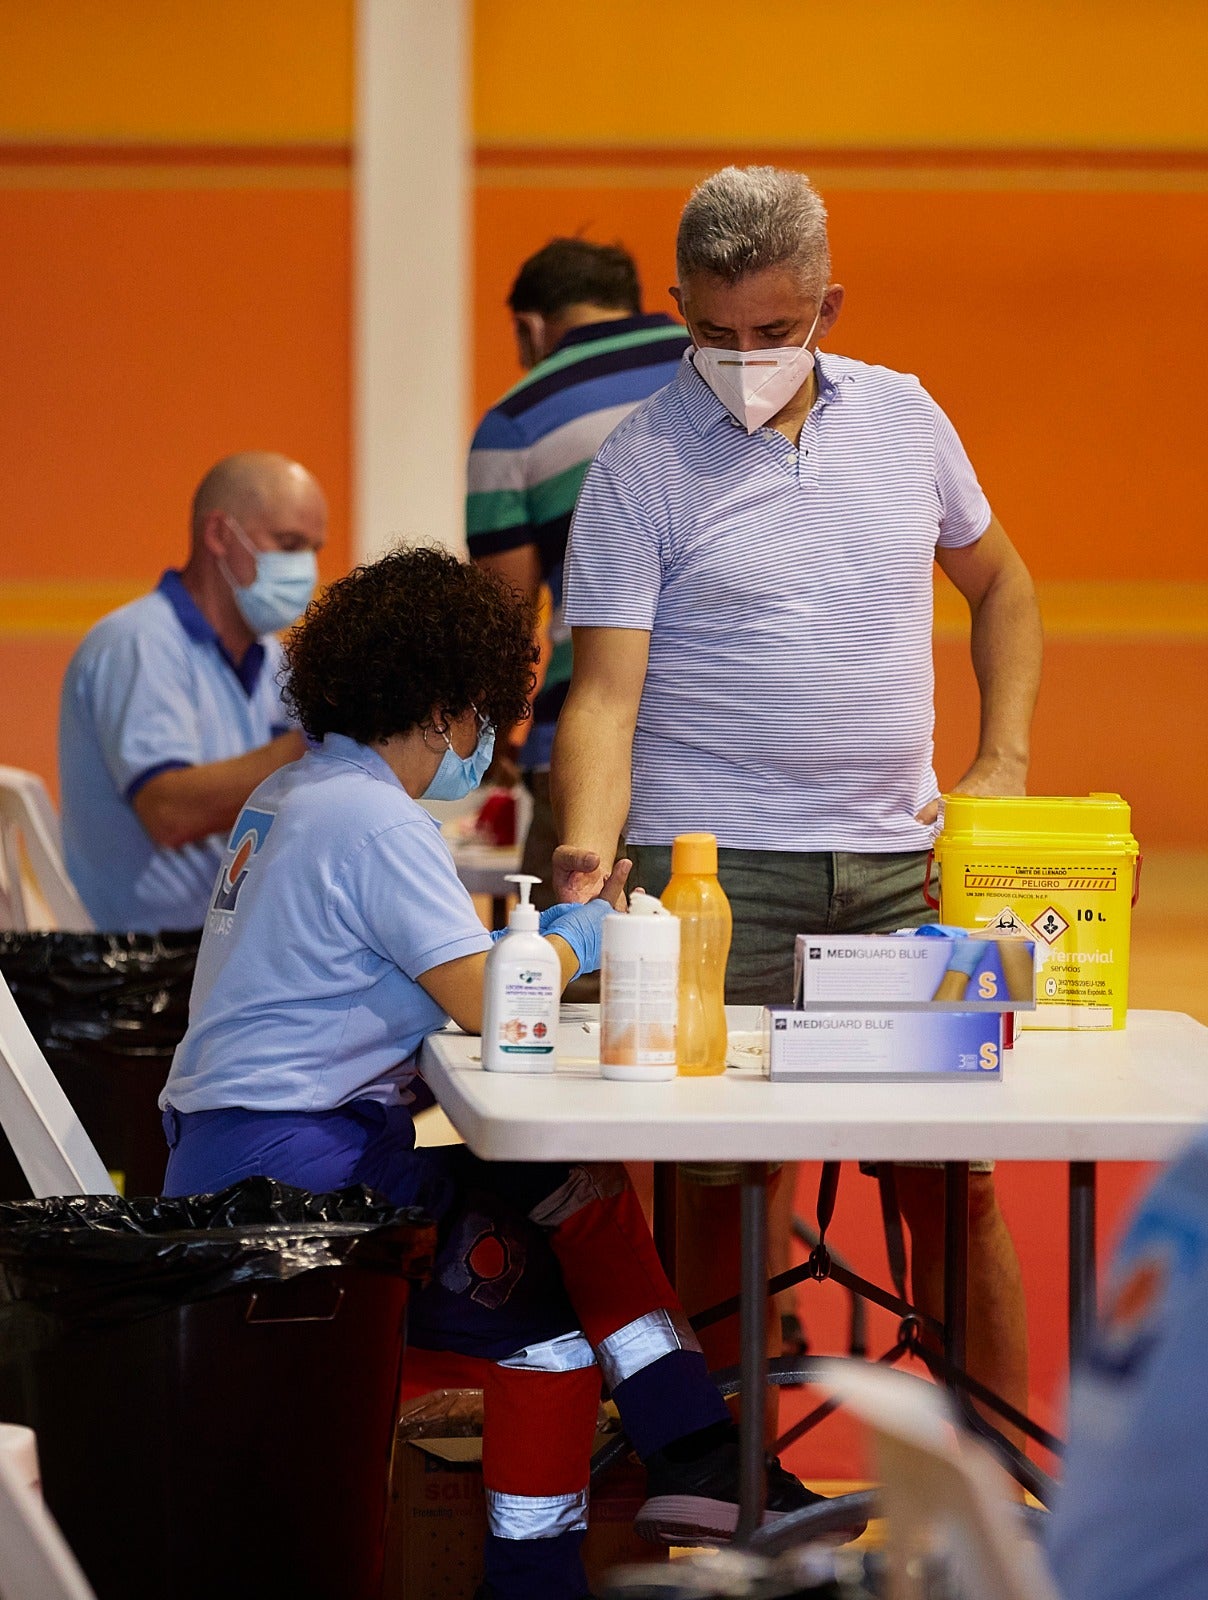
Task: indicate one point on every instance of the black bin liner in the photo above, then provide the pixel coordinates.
(108, 1010)
(213, 1382)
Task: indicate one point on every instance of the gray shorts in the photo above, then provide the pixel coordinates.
(777, 894)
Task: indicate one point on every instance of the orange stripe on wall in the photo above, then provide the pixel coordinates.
(559, 167)
(1116, 612)
(180, 167)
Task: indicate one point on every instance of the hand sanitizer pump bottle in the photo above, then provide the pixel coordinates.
(522, 991)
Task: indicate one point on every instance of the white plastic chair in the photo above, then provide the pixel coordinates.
(48, 1139)
(942, 1490)
(36, 1562)
(28, 818)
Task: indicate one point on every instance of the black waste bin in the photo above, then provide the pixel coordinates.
(108, 1010)
(213, 1382)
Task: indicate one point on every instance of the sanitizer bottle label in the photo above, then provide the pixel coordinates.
(530, 1001)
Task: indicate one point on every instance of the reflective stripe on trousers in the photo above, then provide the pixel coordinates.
(598, 1180)
(535, 1516)
(641, 1342)
(569, 1352)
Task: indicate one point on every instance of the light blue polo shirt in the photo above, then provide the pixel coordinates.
(337, 893)
(150, 689)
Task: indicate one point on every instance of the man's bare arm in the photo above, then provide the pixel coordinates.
(188, 803)
(593, 748)
(1007, 643)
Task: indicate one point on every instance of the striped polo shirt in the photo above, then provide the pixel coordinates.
(788, 703)
(531, 453)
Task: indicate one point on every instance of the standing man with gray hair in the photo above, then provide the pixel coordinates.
(750, 590)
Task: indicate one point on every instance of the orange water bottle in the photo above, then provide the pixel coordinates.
(696, 897)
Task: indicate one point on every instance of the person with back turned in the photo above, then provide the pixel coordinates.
(591, 355)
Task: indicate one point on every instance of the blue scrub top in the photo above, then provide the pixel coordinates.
(151, 689)
(336, 894)
(1130, 1522)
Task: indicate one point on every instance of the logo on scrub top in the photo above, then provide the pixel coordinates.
(247, 837)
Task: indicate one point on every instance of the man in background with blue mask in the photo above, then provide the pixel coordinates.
(170, 712)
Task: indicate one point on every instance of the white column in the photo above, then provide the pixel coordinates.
(411, 294)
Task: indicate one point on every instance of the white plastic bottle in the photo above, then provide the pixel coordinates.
(521, 994)
(639, 992)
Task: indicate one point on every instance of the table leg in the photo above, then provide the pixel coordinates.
(753, 1362)
(956, 1261)
(666, 1181)
(1082, 1274)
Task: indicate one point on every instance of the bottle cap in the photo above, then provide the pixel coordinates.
(694, 853)
(524, 916)
(642, 904)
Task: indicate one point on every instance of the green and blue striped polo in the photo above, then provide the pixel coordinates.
(532, 451)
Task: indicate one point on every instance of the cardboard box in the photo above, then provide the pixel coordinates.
(909, 971)
(437, 1518)
(926, 1044)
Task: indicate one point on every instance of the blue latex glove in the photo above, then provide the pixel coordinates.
(583, 929)
(965, 961)
(581, 926)
(548, 922)
(554, 915)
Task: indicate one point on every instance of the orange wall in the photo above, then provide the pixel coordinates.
(176, 71)
(174, 285)
(874, 74)
(119, 293)
(1009, 222)
(1019, 198)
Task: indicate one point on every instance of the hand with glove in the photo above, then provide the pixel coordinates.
(582, 925)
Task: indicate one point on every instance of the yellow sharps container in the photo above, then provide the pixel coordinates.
(1063, 872)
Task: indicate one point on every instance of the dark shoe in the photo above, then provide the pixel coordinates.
(696, 1502)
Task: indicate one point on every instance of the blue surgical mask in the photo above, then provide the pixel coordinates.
(458, 776)
(281, 590)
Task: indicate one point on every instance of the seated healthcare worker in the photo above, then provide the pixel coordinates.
(338, 937)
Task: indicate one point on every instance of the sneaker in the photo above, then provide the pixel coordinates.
(696, 1502)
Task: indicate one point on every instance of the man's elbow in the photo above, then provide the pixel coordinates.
(164, 822)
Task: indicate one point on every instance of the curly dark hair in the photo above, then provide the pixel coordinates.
(417, 631)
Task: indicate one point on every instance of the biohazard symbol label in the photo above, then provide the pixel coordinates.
(1005, 921)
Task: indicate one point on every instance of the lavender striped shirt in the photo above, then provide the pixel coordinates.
(788, 703)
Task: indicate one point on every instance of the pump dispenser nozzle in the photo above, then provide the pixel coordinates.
(524, 916)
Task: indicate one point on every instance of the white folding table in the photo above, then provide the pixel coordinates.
(1080, 1098)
